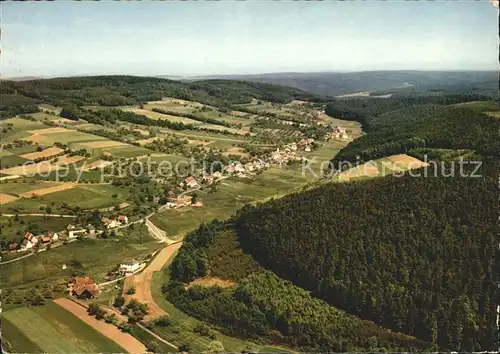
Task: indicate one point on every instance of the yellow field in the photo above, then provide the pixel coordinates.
(50, 131)
(368, 169)
(404, 162)
(6, 198)
(102, 144)
(45, 153)
(48, 190)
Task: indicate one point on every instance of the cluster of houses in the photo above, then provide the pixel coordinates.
(245, 170)
(120, 220)
(338, 133)
(31, 241)
(182, 201)
(289, 151)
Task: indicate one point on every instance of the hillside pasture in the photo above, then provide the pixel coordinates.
(54, 330)
(17, 128)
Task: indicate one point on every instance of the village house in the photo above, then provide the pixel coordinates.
(70, 227)
(122, 219)
(129, 267)
(45, 239)
(53, 236)
(29, 241)
(83, 288)
(108, 223)
(217, 175)
(75, 233)
(207, 179)
(238, 168)
(229, 169)
(191, 182)
(13, 246)
(180, 201)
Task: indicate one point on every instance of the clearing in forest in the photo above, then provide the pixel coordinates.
(404, 162)
(208, 282)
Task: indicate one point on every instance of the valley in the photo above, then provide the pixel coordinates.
(167, 199)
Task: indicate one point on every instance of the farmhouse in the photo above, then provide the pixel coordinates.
(109, 223)
(83, 288)
(29, 241)
(191, 182)
(180, 201)
(13, 246)
(122, 219)
(53, 236)
(208, 179)
(77, 232)
(45, 239)
(129, 267)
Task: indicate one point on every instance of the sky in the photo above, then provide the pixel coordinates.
(192, 38)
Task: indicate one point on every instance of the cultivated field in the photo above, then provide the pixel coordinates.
(47, 190)
(126, 341)
(53, 329)
(7, 198)
(102, 144)
(51, 130)
(51, 151)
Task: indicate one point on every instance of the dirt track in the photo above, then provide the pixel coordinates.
(126, 341)
(142, 282)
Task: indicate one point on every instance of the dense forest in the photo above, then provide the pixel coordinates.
(262, 305)
(24, 96)
(424, 126)
(398, 251)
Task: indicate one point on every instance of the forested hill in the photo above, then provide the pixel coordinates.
(416, 255)
(421, 126)
(19, 97)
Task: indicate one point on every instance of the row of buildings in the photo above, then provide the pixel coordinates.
(120, 220)
(31, 241)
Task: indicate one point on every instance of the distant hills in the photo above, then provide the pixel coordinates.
(339, 83)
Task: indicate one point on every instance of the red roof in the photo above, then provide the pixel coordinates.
(28, 235)
(82, 284)
(121, 217)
